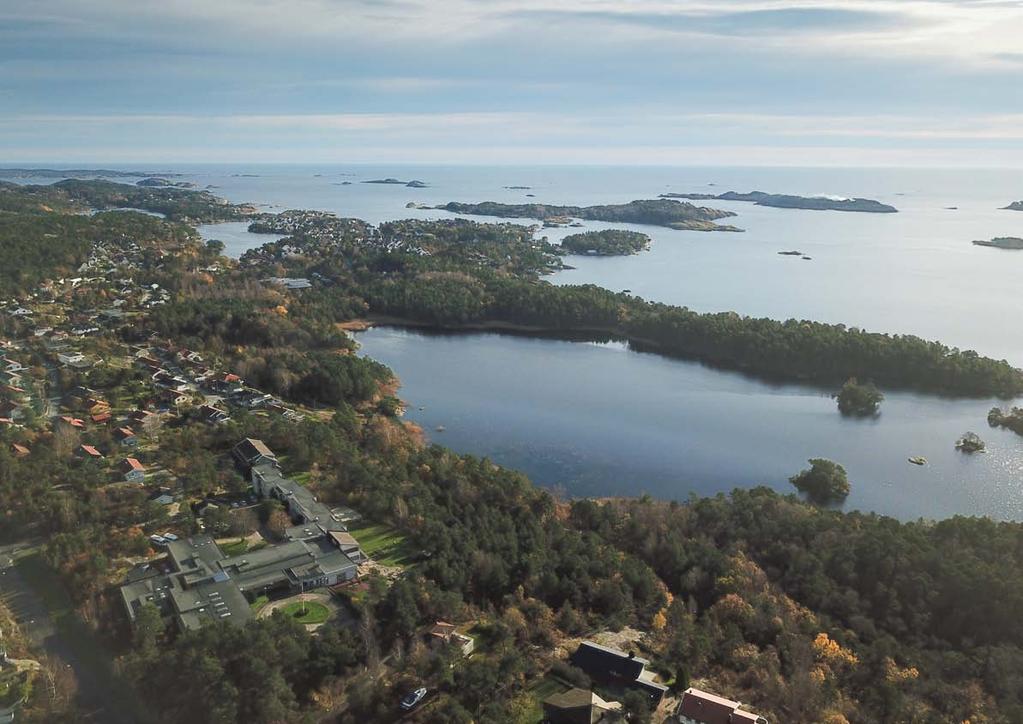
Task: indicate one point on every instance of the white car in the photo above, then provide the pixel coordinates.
(411, 701)
(170, 536)
(158, 540)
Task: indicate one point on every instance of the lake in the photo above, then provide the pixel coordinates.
(601, 419)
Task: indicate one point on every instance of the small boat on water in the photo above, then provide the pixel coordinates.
(440, 428)
(918, 460)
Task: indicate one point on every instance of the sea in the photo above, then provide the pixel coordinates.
(592, 419)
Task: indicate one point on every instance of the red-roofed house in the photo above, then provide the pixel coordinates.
(88, 451)
(19, 451)
(133, 470)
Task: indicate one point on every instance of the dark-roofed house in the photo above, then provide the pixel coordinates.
(126, 436)
(605, 664)
(701, 707)
(580, 706)
(251, 453)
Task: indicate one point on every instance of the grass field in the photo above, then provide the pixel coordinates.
(306, 611)
(538, 692)
(259, 603)
(382, 543)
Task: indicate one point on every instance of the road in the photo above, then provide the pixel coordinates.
(64, 638)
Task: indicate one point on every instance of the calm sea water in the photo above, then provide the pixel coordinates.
(600, 419)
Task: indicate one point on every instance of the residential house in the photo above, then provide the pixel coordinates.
(446, 634)
(144, 420)
(132, 470)
(72, 422)
(101, 418)
(607, 665)
(89, 452)
(212, 415)
(126, 436)
(580, 706)
(19, 451)
(701, 707)
(11, 409)
(73, 359)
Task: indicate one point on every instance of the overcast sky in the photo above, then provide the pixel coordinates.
(690, 82)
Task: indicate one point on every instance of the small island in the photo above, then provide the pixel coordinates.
(786, 201)
(1010, 420)
(970, 442)
(1002, 242)
(655, 212)
(413, 184)
(859, 400)
(790, 253)
(609, 242)
(1015, 206)
(825, 483)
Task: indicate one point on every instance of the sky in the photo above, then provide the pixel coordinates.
(681, 82)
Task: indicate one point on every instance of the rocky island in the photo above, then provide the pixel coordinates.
(609, 242)
(413, 184)
(159, 182)
(1002, 242)
(1015, 206)
(786, 201)
(655, 212)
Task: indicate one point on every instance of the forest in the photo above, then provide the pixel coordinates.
(453, 273)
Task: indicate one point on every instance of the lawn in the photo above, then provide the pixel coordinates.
(258, 604)
(538, 692)
(235, 548)
(306, 611)
(382, 543)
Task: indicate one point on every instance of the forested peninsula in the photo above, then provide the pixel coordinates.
(655, 212)
(74, 195)
(457, 274)
(786, 201)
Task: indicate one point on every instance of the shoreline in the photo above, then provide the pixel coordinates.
(635, 344)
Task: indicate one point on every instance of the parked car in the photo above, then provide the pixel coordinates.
(411, 701)
(170, 536)
(158, 540)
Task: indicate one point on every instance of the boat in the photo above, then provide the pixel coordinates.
(918, 460)
(440, 428)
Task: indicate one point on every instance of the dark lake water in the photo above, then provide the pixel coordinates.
(600, 419)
